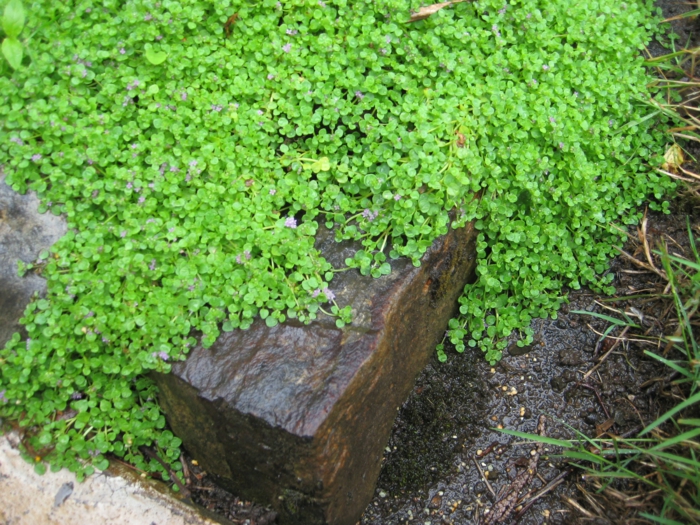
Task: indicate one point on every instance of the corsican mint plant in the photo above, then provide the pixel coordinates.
(194, 154)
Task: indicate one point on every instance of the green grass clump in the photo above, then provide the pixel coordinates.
(661, 469)
(194, 167)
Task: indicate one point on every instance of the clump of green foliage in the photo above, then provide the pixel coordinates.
(194, 154)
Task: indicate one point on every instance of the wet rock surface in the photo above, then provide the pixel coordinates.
(24, 233)
(297, 416)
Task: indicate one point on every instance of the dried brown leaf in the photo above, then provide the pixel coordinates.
(673, 158)
(604, 427)
(425, 12)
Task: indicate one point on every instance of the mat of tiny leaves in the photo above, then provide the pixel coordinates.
(195, 147)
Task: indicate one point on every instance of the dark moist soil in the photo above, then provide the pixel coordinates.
(447, 426)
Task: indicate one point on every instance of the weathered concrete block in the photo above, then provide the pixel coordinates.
(297, 416)
(23, 234)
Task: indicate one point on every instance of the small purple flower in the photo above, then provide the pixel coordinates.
(329, 295)
(290, 222)
(105, 340)
(238, 259)
(28, 342)
(246, 254)
(134, 145)
(236, 105)
(89, 314)
(287, 48)
(123, 234)
(122, 51)
(494, 28)
(321, 3)
(183, 96)
(273, 191)
(561, 145)
(260, 112)
(552, 120)
(359, 95)
(292, 32)
(76, 395)
(383, 51)
(2, 396)
(174, 169)
(388, 39)
(17, 141)
(397, 197)
(142, 199)
(270, 76)
(129, 185)
(216, 107)
(545, 67)
(502, 11)
(90, 162)
(529, 15)
(36, 157)
(88, 10)
(369, 214)
(148, 17)
(159, 37)
(152, 266)
(193, 163)
(316, 293)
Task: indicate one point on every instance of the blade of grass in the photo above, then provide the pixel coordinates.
(670, 364)
(613, 320)
(536, 437)
(685, 404)
(685, 436)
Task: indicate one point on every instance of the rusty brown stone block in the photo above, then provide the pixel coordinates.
(297, 416)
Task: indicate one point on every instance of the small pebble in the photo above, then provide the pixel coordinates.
(63, 493)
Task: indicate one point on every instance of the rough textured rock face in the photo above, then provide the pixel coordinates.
(296, 416)
(23, 234)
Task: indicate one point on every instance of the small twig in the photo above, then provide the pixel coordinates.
(616, 338)
(605, 356)
(183, 490)
(504, 506)
(597, 394)
(558, 480)
(578, 507)
(185, 470)
(488, 485)
(641, 264)
(643, 237)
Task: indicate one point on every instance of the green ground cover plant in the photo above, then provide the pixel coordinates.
(195, 147)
